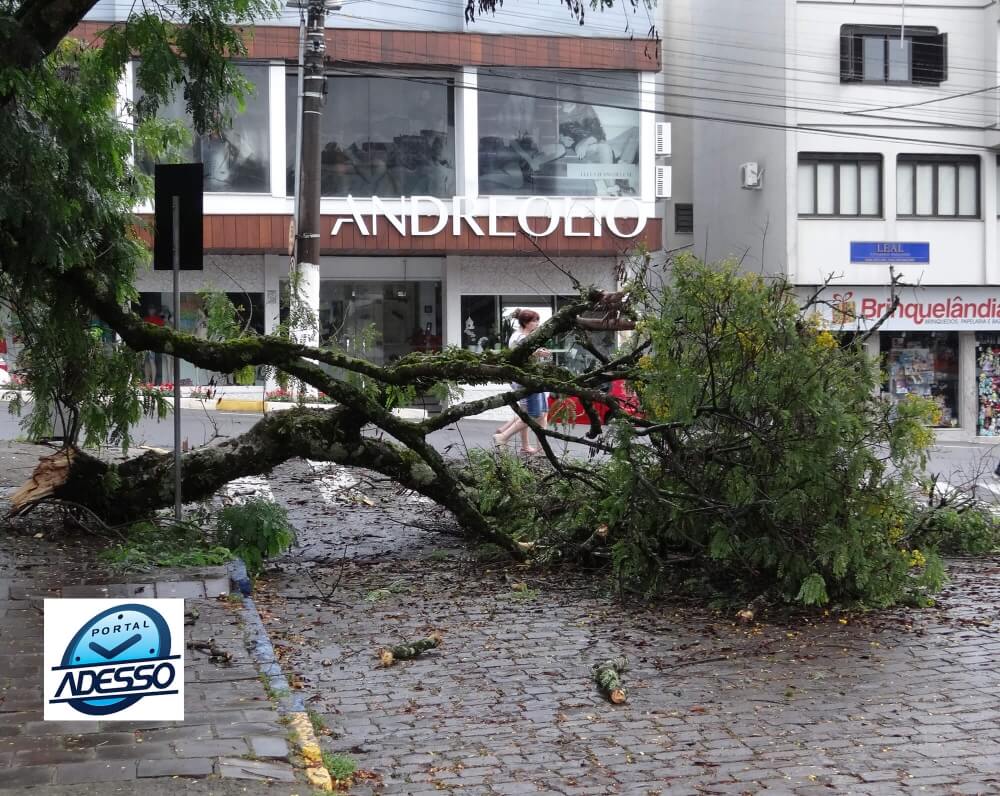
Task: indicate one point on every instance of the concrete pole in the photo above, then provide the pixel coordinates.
(308, 227)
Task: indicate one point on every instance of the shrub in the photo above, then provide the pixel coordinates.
(255, 531)
(765, 459)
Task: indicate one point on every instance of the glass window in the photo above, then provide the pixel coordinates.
(943, 187)
(831, 184)
(550, 133)
(377, 321)
(924, 364)
(807, 190)
(871, 189)
(988, 379)
(237, 160)
(947, 205)
(157, 308)
(899, 59)
(826, 203)
(874, 58)
(849, 197)
(904, 189)
(382, 136)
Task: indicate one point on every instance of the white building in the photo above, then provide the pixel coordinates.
(871, 135)
(519, 130)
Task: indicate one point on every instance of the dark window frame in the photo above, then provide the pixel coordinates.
(928, 54)
(838, 159)
(684, 211)
(953, 161)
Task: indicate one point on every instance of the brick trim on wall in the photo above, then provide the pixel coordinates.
(254, 234)
(444, 49)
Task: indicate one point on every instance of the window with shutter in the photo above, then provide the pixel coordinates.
(892, 54)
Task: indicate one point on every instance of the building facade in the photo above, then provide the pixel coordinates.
(837, 142)
(457, 158)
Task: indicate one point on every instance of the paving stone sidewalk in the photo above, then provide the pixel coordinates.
(231, 741)
(230, 729)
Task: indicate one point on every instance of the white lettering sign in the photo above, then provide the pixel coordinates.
(539, 217)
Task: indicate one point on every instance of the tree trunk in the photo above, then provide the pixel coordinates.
(133, 489)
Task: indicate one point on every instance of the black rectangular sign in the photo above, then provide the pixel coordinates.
(183, 180)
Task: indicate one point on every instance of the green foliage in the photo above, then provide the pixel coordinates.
(222, 322)
(972, 529)
(255, 531)
(70, 186)
(378, 595)
(148, 546)
(317, 721)
(341, 767)
(764, 463)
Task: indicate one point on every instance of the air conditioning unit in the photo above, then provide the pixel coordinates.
(751, 176)
(663, 182)
(662, 138)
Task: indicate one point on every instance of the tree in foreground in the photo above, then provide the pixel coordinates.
(758, 456)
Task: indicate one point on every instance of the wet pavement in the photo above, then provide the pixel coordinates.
(902, 701)
(231, 740)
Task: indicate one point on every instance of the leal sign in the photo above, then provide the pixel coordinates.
(930, 308)
(539, 216)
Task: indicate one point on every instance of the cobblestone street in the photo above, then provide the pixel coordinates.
(896, 702)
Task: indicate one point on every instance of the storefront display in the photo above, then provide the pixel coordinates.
(157, 309)
(376, 321)
(573, 135)
(988, 384)
(923, 364)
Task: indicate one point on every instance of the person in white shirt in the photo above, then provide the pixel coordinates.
(533, 405)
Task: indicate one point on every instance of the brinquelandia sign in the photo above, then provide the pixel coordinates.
(924, 308)
(539, 216)
(114, 660)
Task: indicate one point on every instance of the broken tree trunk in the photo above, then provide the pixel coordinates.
(412, 649)
(127, 491)
(607, 675)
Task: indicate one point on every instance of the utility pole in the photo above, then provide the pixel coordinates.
(307, 249)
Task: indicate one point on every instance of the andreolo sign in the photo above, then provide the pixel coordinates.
(539, 216)
(924, 308)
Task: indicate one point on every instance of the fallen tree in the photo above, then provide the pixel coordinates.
(759, 454)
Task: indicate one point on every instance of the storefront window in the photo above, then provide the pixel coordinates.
(551, 133)
(377, 321)
(237, 160)
(157, 308)
(924, 364)
(487, 324)
(988, 381)
(382, 136)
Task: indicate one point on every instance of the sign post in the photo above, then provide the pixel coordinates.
(179, 202)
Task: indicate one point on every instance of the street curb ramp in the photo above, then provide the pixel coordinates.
(290, 704)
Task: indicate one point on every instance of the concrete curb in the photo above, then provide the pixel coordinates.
(290, 704)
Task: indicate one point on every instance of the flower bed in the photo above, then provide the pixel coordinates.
(286, 397)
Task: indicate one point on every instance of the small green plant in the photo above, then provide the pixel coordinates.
(377, 595)
(255, 531)
(147, 546)
(525, 594)
(439, 554)
(318, 724)
(273, 693)
(341, 767)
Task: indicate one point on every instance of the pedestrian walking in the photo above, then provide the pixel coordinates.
(534, 405)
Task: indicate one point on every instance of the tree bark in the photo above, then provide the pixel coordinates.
(133, 489)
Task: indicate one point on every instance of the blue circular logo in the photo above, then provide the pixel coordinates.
(129, 634)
